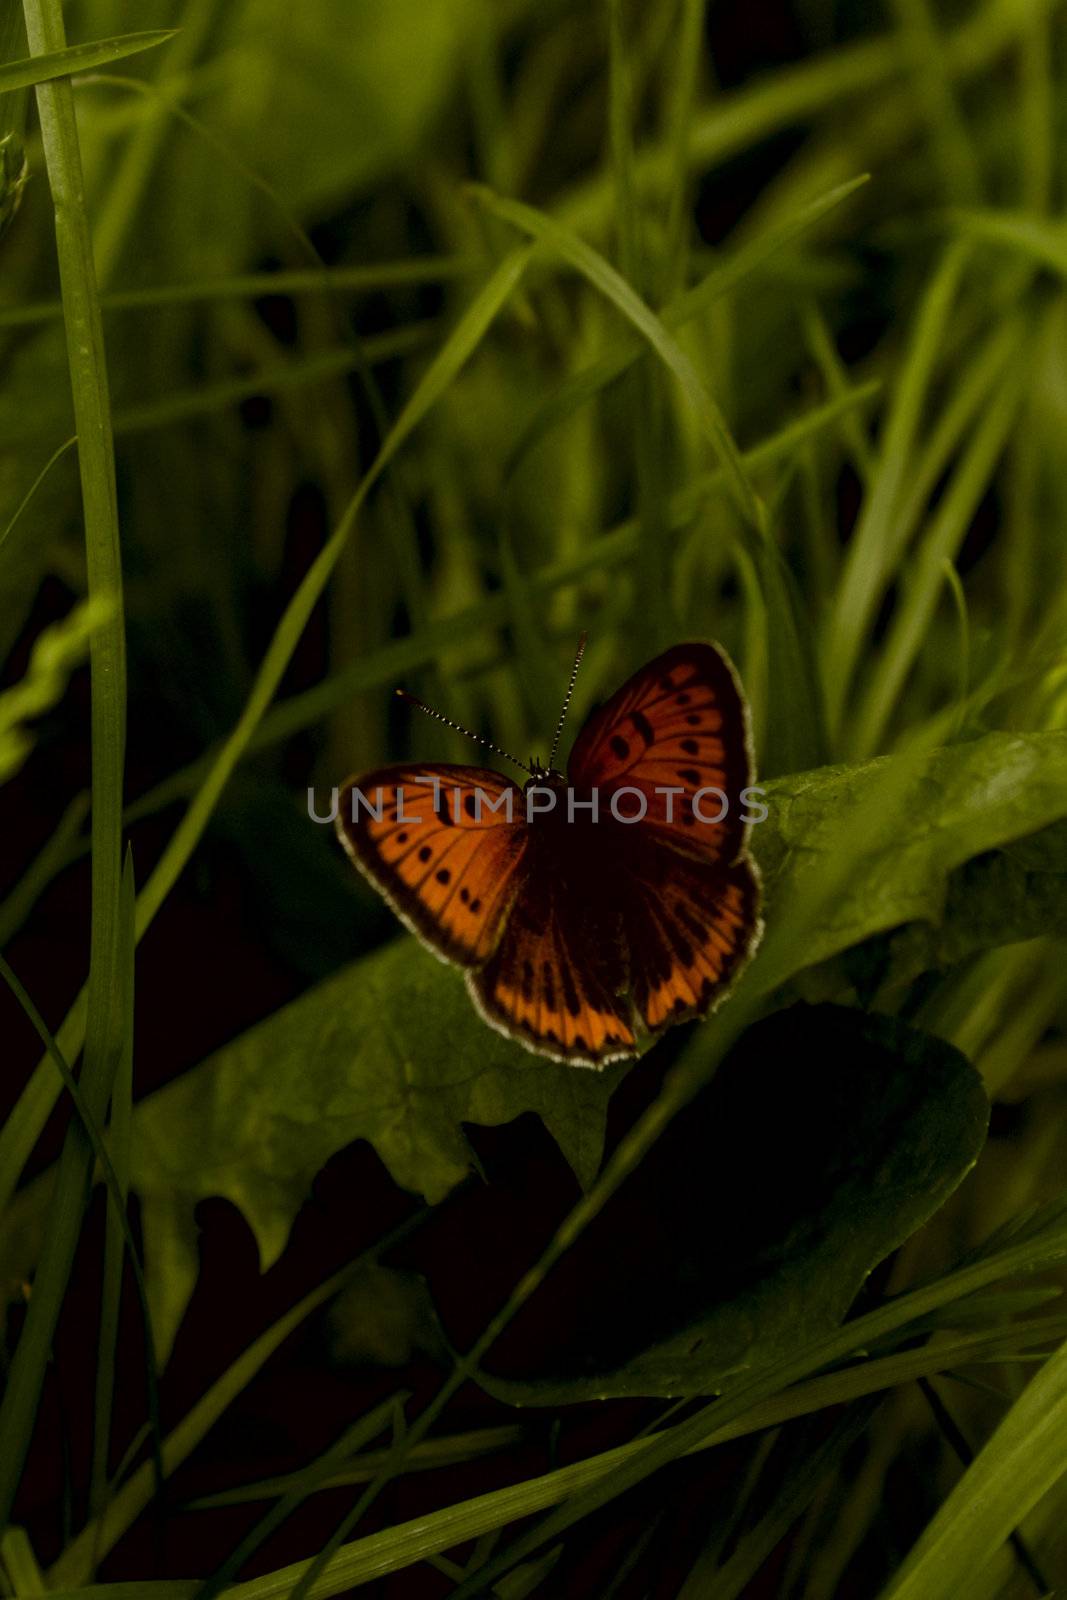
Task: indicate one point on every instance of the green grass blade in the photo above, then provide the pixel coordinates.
(744, 117)
(88, 377)
(132, 172)
(251, 285)
(58, 849)
(627, 218)
(1037, 113)
(873, 548)
(723, 278)
(614, 288)
(20, 1564)
(1043, 242)
(652, 619)
(1024, 1459)
(940, 544)
(921, 38)
(114, 1183)
(61, 62)
(352, 1439)
(820, 342)
(679, 132)
(802, 1483)
(115, 1234)
(68, 444)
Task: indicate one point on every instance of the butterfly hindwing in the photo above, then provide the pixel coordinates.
(689, 928)
(680, 724)
(444, 845)
(557, 979)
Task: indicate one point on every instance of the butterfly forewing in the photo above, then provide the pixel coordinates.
(678, 724)
(444, 845)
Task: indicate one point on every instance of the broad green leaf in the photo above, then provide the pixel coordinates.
(826, 1138)
(1004, 896)
(389, 1050)
(969, 799)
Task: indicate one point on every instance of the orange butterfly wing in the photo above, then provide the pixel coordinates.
(689, 928)
(679, 723)
(444, 845)
(558, 977)
(687, 894)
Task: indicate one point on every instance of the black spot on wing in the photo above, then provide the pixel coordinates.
(644, 727)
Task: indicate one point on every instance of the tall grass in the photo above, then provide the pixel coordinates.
(553, 331)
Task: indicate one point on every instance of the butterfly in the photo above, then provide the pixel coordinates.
(592, 906)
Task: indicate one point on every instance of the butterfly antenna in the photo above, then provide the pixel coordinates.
(567, 697)
(459, 728)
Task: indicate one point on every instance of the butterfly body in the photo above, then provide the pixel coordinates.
(587, 906)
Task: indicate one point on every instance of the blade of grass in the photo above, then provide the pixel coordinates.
(68, 444)
(352, 1439)
(1042, 241)
(115, 1235)
(678, 133)
(802, 1483)
(115, 1187)
(404, 540)
(724, 277)
(1036, 114)
(940, 544)
(448, 1451)
(796, 712)
(57, 850)
(89, 388)
(62, 61)
(820, 342)
(651, 616)
(133, 171)
(952, 144)
(20, 1564)
(614, 288)
(252, 285)
(182, 404)
(1024, 1459)
(873, 547)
